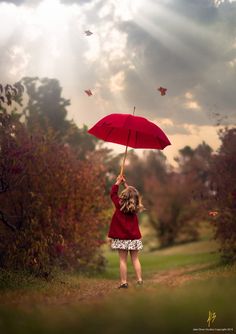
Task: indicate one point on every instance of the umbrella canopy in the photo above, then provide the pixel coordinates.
(130, 130)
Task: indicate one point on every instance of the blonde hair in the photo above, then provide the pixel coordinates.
(130, 200)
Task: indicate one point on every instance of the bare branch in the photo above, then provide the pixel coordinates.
(4, 220)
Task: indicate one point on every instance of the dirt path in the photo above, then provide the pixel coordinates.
(178, 276)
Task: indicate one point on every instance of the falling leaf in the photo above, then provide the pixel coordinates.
(88, 92)
(213, 213)
(162, 90)
(88, 33)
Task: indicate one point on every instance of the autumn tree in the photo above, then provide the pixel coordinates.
(222, 199)
(170, 210)
(174, 198)
(53, 209)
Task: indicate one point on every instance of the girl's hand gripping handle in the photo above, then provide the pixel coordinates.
(120, 179)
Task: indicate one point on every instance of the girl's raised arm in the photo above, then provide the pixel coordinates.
(114, 195)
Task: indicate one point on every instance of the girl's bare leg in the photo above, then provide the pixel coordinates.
(123, 265)
(136, 264)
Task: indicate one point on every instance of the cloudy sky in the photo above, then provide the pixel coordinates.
(187, 46)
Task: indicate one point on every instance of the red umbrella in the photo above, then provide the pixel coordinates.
(130, 130)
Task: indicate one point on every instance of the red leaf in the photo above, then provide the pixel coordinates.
(162, 90)
(88, 92)
(88, 33)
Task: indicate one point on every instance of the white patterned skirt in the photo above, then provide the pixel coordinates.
(135, 244)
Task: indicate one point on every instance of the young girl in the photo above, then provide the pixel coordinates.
(124, 228)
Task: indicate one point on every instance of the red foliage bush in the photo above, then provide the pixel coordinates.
(52, 205)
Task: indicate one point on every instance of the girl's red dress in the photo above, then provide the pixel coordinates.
(123, 225)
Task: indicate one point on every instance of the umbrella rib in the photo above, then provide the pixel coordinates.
(159, 143)
(136, 136)
(126, 121)
(110, 131)
(127, 144)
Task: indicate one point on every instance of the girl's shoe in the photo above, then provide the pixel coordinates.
(140, 283)
(123, 286)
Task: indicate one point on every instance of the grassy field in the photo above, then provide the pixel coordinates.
(202, 252)
(182, 284)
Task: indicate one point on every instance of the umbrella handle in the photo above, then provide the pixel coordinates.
(123, 162)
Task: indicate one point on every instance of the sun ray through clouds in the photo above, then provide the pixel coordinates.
(153, 16)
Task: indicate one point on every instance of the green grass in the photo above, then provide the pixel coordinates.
(153, 262)
(10, 280)
(200, 252)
